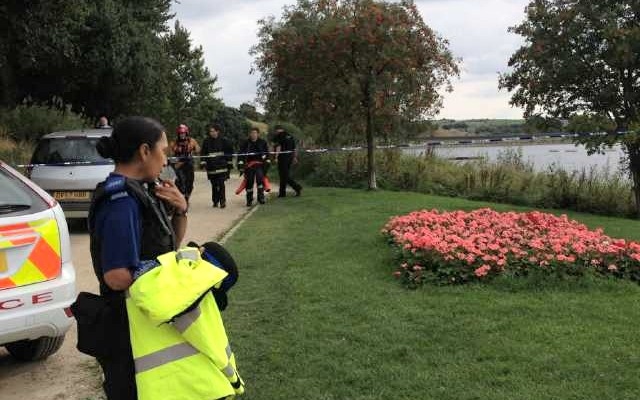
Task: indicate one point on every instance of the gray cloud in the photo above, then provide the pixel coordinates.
(476, 31)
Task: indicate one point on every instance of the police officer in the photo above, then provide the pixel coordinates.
(285, 149)
(255, 162)
(128, 226)
(218, 163)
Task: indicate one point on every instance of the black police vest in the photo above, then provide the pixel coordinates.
(287, 143)
(157, 233)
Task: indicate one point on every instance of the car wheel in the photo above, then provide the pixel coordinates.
(38, 349)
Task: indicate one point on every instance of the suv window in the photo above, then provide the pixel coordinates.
(16, 198)
(69, 149)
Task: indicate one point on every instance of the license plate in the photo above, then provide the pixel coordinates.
(72, 195)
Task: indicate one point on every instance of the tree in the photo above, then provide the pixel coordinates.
(119, 68)
(359, 64)
(589, 124)
(99, 56)
(250, 111)
(190, 87)
(37, 48)
(235, 126)
(104, 57)
(582, 57)
(540, 124)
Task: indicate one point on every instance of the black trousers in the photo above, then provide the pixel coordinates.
(255, 176)
(119, 378)
(185, 177)
(118, 367)
(284, 170)
(218, 191)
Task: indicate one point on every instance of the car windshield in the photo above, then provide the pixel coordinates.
(16, 197)
(69, 149)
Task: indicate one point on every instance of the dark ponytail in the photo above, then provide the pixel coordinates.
(127, 137)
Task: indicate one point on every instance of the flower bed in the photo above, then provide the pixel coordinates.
(458, 247)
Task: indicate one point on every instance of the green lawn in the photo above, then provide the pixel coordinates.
(317, 315)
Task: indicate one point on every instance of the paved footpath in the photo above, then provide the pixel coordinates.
(71, 375)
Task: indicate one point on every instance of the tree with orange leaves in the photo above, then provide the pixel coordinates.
(354, 64)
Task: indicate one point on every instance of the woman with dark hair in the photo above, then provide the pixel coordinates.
(129, 226)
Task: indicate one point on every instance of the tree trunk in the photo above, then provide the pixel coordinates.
(636, 190)
(633, 152)
(371, 153)
(371, 165)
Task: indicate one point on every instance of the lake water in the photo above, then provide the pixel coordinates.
(542, 156)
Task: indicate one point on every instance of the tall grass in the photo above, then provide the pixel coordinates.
(12, 152)
(30, 122)
(507, 180)
(22, 126)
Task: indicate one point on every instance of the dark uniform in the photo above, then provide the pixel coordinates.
(128, 225)
(218, 164)
(287, 145)
(183, 150)
(254, 166)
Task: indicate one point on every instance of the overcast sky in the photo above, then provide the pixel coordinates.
(476, 30)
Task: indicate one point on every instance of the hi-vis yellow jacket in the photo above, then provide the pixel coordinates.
(180, 347)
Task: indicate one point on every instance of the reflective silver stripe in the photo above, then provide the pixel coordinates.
(164, 356)
(217, 171)
(229, 371)
(229, 352)
(188, 254)
(183, 322)
(216, 154)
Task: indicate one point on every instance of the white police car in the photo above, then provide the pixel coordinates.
(37, 278)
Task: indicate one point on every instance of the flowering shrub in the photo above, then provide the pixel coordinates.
(458, 247)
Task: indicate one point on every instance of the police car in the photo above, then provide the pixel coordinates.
(37, 278)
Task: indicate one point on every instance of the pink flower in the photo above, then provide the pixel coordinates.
(482, 271)
(501, 241)
(494, 246)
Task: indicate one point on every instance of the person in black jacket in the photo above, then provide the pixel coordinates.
(218, 163)
(254, 161)
(285, 149)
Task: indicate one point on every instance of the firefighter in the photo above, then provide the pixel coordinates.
(184, 148)
(218, 163)
(254, 162)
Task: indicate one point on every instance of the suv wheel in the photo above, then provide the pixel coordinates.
(38, 349)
